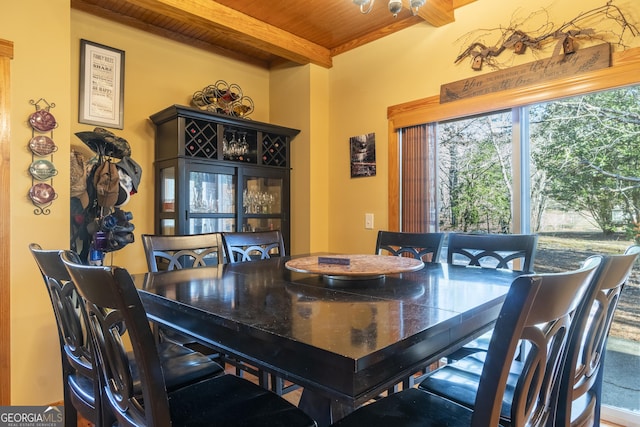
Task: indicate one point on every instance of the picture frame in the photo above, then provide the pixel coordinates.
(101, 96)
(363, 155)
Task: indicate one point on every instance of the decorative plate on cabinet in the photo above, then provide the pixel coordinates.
(42, 169)
(42, 145)
(42, 193)
(42, 121)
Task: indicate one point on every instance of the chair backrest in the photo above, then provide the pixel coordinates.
(113, 306)
(171, 252)
(581, 383)
(538, 310)
(71, 320)
(250, 246)
(493, 250)
(67, 309)
(424, 246)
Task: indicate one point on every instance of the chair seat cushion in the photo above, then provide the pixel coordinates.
(232, 401)
(82, 395)
(479, 344)
(408, 408)
(459, 381)
(167, 334)
(82, 387)
(180, 365)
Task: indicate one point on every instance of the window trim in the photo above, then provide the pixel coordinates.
(624, 71)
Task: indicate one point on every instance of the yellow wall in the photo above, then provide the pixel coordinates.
(40, 69)
(307, 110)
(328, 106)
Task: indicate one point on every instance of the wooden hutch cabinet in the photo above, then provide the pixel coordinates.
(216, 173)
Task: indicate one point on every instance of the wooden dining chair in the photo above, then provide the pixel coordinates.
(423, 246)
(459, 381)
(538, 309)
(493, 250)
(174, 252)
(580, 395)
(244, 246)
(113, 305)
(170, 252)
(81, 387)
(581, 380)
(490, 251)
(81, 393)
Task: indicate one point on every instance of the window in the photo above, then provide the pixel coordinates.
(474, 174)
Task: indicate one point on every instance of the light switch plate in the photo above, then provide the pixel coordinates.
(368, 221)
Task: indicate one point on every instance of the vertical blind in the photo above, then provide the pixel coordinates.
(418, 179)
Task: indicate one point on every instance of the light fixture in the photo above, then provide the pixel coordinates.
(395, 6)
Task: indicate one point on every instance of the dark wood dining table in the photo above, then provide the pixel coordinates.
(343, 341)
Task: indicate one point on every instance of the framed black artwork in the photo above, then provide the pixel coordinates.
(363, 155)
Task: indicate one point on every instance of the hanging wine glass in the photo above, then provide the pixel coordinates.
(244, 144)
(225, 145)
(233, 145)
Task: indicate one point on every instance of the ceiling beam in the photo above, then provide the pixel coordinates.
(210, 15)
(437, 12)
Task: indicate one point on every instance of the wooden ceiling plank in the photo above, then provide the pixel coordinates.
(375, 35)
(243, 28)
(437, 12)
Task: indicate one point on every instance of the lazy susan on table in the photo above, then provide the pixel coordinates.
(354, 267)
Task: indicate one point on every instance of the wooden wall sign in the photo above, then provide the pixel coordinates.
(558, 66)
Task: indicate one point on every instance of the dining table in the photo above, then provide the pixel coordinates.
(344, 340)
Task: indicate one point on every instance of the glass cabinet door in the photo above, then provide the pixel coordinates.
(211, 202)
(167, 200)
(262, 203)
(211, 193)
(168, 189)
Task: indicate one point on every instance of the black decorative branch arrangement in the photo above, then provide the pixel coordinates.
(565, 35)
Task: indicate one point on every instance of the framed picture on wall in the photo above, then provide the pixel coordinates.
(101, 85)
(363, 155)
